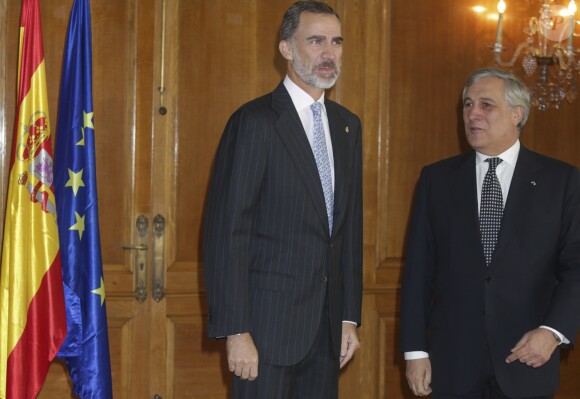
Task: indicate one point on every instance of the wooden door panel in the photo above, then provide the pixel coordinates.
(192, 368)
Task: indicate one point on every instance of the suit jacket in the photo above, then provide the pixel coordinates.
(461, 311)
(269, 259)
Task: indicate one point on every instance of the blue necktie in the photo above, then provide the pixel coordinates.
(322, 161)
(491, 210)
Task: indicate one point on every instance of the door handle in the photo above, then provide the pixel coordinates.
(141, 250)
(158, 258)
(136, 247)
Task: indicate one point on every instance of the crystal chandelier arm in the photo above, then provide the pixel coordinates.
(512, 61)
(566, 58)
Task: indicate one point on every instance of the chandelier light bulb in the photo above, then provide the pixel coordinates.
(572, 8)
(501, 6)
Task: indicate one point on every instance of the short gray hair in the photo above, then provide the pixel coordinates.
(291, 18)
(516, 93)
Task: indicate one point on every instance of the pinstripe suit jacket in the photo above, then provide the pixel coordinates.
(269, 260)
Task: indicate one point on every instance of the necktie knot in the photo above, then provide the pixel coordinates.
(315, 107)
(493, 162)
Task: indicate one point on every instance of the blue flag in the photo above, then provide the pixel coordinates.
(86, 348)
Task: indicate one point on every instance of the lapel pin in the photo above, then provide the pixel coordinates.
(346, 129)
(533, 182)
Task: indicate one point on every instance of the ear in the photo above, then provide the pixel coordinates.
(517, 114)
(285, 49)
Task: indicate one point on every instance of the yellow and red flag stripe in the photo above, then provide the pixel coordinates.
(32, 313)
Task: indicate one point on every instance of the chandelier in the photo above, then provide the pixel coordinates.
(549, 58)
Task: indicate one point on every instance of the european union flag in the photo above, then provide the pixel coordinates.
(86, 348)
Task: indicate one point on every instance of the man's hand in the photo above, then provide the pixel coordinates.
(350, 343)
(419, 376)
(242, 356)
(535, 348)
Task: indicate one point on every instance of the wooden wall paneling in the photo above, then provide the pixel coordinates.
(362, 88)
(391, 379)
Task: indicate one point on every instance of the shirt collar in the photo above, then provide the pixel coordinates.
(299, 97)
(509, 156)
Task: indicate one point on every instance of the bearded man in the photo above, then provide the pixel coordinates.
(283, 224)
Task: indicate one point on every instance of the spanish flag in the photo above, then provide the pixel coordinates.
(32, 312)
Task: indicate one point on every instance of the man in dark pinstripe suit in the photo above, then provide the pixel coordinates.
(282, 251)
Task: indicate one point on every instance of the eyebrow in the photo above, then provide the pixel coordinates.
(487, 99)
(321, 37)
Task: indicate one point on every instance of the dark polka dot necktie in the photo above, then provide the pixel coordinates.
(491, 210)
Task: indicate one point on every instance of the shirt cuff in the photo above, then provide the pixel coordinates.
(351, 322)
(562, 338)
(416, 355)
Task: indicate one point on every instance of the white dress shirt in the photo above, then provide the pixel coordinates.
(505, 173)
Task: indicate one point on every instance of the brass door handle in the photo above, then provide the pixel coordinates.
(158, 258)
(136, 247)
(141, 251)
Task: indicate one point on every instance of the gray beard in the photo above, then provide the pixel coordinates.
(310, 77)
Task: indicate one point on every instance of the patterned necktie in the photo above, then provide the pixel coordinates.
(322, 161)
(491, 210)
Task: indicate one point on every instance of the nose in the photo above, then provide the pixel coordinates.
(471, 113)
(328, 51)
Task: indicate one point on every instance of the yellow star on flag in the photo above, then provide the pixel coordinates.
(87, 123)
(79, 225)
(81, 142)
(88, 120)
(75, 180)
(100, 291)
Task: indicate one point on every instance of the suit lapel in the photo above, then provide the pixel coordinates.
(519, 197)
(291, 132)
(465, 214)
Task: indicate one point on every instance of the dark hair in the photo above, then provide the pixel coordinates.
(292, 16)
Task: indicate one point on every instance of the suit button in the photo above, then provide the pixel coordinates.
(487, 279)
(323, 279)
(331, 245)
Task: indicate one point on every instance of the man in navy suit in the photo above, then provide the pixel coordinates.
(283, 224)
(491, 284)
